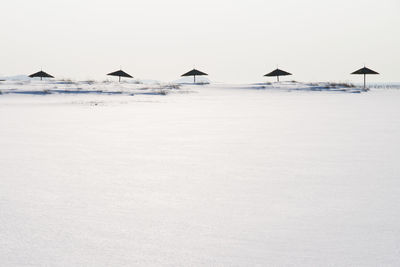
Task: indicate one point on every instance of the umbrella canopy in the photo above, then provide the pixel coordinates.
(41, 74)
(278, 73)
(194, 73)
(120, 73)
(364, 71)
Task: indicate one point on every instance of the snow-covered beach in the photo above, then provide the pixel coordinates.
(97, 174)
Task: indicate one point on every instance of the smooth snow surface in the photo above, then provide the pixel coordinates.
(204, 176)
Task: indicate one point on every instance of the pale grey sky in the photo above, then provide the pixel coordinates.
(234, 41)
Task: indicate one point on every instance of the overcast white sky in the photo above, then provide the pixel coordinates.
(234, 41)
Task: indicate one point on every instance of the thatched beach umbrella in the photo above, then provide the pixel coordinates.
(278, 73)
(194, 73)
(41, 74)
(120, 73)
(364, 71)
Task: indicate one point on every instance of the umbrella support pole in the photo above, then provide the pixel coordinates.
(364, 81)
(119, 80)
(194, 79)
(277, 78)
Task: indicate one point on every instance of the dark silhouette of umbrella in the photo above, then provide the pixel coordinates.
(194, 73)
(278, 73)
(41, 74)
(364, 71)
(120, 73)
